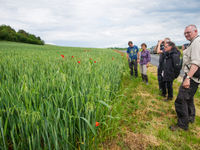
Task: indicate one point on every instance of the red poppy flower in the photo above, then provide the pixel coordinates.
(79, 62)
(95, 62)
(97, 124)
(72, 56)
(112, 58)
(62, 56)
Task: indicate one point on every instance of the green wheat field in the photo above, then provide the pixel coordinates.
(56, 97)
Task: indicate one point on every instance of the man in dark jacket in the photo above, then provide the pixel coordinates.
(170, 59)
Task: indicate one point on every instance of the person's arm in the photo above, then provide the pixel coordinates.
(155, 48)
(158, 47)
(183, 47)
(149, 58)
(195, 55)
(127, 53)
(193, 69)
(138, 55)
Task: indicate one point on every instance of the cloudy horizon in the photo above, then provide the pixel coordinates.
(101, 23)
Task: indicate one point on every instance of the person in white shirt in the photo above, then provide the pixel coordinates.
(184, 103)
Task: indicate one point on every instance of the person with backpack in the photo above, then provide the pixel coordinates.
(145, 59)
(160, 48)
(171, 60)
(184, 103)
(133, 58)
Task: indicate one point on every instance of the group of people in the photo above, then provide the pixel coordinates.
(169, 68)
(143, 58)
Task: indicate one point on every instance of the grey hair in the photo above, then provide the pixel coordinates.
(167, 39)
(194, 27)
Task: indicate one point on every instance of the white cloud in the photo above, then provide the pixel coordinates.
(101, 23)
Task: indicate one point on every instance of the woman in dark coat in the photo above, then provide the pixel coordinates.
(171, 57)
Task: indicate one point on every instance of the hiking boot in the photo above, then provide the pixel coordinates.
(163, 95)
(168, 99)
(191, 120)
(142, 77)
(176, 128)
(146, 79)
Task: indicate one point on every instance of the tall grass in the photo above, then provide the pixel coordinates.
(50, 102)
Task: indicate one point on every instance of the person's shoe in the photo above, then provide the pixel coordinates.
(142, 77)
(191, 120)
(176, 127)
(163, 95)
(168, 99)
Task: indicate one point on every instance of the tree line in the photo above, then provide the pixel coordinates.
(9, 34)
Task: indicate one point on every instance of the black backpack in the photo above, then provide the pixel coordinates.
(177, 63)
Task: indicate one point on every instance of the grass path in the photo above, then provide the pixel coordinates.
(145, 119)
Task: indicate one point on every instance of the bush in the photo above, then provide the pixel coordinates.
(9, 34)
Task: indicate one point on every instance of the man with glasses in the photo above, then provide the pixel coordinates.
(184, 103)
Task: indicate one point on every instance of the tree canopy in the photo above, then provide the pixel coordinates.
(9, 34)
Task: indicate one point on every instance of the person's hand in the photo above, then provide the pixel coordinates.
(138, 60)
(160, 41)
(147, 65)
(127, 57)
(186, 83)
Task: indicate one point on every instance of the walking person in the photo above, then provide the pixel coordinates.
(160, 50)
(145, 59)
(171, 59)
(184, 103)
(133, 58)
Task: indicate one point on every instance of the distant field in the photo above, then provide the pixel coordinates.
(56, 97)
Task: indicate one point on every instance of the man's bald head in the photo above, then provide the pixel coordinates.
(191, 32)
(192, 26)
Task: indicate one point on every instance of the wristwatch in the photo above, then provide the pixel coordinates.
(188, 77)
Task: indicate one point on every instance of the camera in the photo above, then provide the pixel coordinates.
(162, 46)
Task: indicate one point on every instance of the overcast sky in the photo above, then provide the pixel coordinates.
(101, 23)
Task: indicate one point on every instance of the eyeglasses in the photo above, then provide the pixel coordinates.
(185, 33)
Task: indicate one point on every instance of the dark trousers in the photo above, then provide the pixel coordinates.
(133, 64)
(161, 83)
(184, 104)
(167, 88)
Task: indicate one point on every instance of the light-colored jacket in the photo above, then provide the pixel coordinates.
(191, 55)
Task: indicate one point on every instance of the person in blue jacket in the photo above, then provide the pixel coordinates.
(133, 58)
